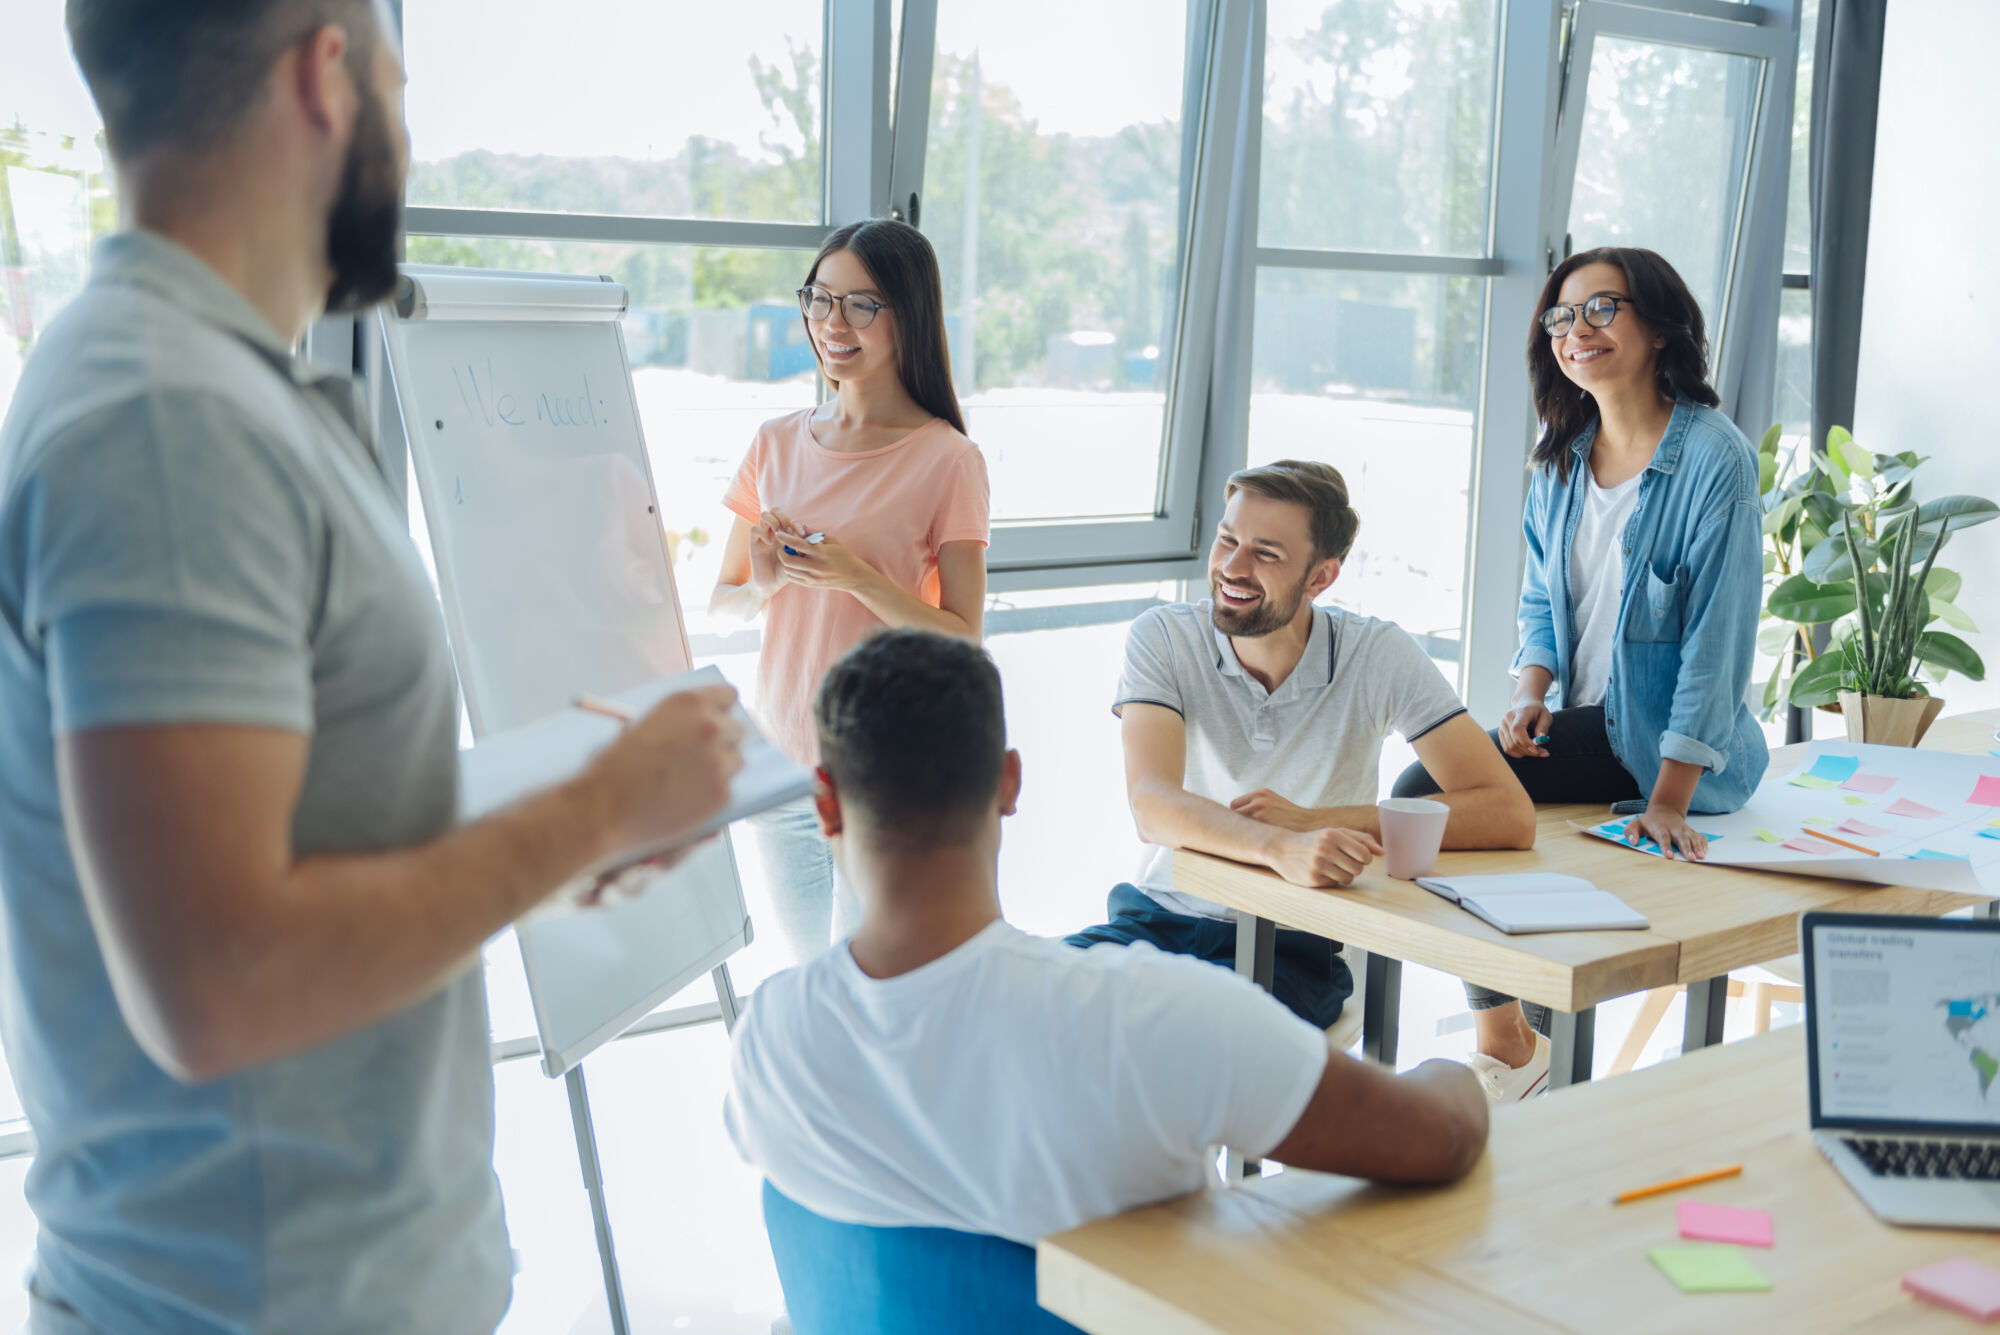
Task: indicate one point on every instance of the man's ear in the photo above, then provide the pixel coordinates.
(826, 802)
(316, 74)
(1010, 782)
(1323, 576)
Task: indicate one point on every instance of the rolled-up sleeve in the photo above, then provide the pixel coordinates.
(1537, 622)
(1725, 583)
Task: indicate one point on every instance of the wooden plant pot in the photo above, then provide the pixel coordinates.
(1886, 721)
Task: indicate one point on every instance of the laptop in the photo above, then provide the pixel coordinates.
(1903, 1048)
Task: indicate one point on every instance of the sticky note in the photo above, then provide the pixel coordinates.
(1870, 783)
(1989, 834)
(1903, 806)
(1816, 820)
(1837, 768)
(1705, 1221)
(1932, 855)
(1993, 824)
(1811, 781)
(1862, 828)
(1961, 1284)
(1986, 793)
(1855, 801)
(1805, 845)
(1709, 1267)
(1770, 838)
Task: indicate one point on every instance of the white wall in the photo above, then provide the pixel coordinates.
(1930, 334)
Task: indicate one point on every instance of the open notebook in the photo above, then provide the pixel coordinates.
(508, 766)
(1537, 902)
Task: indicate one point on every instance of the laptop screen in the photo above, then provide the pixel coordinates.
(1903, 1018)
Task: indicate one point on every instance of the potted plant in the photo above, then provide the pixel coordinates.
(1848, 544)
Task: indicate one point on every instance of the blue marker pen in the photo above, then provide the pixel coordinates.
(813, 538)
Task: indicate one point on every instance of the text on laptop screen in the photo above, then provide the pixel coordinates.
(1908, 1024)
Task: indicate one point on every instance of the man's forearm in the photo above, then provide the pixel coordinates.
(348, 940)
(1180, 819)
(1481, 818)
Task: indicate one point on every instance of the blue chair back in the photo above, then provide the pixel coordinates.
(854, 1279)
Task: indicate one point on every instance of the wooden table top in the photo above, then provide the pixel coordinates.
(1529, 1240)
(1706, 920)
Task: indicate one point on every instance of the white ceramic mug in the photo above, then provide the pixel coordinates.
(1412, 833)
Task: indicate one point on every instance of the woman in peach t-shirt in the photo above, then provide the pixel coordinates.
(883, 470)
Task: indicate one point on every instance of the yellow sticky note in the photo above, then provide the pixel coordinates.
(1862, 802)
(1770, 838)
(1817, 820)
(1712, 1267)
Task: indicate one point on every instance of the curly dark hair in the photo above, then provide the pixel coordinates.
(912, 730)
(1662, 300)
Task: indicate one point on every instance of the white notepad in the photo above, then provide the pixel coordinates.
(1537, 902)
(509, 766)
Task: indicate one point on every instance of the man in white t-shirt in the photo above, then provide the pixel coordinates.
(944, 1069)
(1253, 724)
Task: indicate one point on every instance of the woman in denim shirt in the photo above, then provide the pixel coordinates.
(1644, 577)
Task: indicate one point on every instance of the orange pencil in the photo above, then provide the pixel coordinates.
(1843, 843)
(1659, 1188)
(590, 704)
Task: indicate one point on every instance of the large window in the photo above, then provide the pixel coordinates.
(1373, 205)
(55, 191)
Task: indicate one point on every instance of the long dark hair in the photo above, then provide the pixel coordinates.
(1662, 300)
(905, 269)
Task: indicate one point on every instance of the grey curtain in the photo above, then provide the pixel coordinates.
(1847, 85)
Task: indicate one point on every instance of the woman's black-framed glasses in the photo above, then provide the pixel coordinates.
(816, 303)
(1598, 312)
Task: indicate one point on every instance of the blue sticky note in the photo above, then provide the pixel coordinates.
(1932, 855)
(1838, 769)
(1989, 834)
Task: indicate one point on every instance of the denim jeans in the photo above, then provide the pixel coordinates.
(1308, 976)
(1580, 767)
(809, 897)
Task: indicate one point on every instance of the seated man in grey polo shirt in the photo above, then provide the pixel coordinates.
(1253, 725)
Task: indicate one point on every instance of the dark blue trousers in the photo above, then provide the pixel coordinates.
(1310, 977)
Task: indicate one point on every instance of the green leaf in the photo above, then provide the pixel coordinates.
(1831, 465)
(1958, 512)
(1954, 616)
(1773, 636)
(1767, 473)
(1819, 682)
(1830, 563)
(1770, 562)
(1943, 585)
(1941, 649)
(1857, 461)
(1769, 445)
(1824, 511)
(1837, 436)
(1802, 600)
(1784, 514)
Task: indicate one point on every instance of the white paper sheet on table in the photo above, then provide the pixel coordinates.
(1965, 832)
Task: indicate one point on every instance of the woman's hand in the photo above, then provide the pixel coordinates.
(827, 564)
(1669, 829)
(767, 574)
(1521, 725)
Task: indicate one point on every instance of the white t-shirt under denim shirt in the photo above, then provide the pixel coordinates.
(1597, 583)
(1316, 740)
(1016, 1086)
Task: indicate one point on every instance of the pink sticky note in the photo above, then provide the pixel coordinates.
(1903, 806)
(1805, 845)
(1870, 783)
(1986, 793)
(1961, 1284)
(1862, 828)
(1704, 1221)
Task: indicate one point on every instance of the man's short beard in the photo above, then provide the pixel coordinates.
(1264, 619)
(364, 231)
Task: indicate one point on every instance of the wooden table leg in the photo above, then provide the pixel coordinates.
(1381, 1008)
(1572, 1046)
(1706, 1003)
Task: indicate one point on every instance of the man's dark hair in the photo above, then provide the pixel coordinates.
(1319, 488)
(912, 729)
(182, 73)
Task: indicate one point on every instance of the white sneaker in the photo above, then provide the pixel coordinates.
(1511, 1084)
